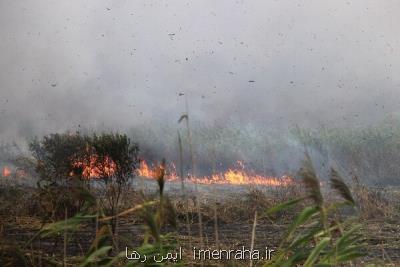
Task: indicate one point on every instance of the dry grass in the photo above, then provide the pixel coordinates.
(379, 213)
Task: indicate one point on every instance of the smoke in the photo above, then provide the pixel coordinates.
(116, 64)
(122, 65)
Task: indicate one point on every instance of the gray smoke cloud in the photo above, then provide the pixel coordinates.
(117, 64)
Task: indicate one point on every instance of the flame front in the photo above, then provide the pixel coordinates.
(231, 176)
(94, 167)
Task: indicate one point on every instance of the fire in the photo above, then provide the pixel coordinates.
(238, 176)
(94, 167)
(151, 172)
(6, 172)
(145, 171)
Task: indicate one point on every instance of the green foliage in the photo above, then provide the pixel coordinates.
(316, 237)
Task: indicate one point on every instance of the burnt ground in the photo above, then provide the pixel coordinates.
(381, 234)
(383, 242)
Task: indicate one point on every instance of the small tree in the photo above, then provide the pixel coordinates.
(59, 189)
(116, 161)
(55, 154)
(67, 162)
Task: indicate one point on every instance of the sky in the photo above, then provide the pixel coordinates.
(117, 64)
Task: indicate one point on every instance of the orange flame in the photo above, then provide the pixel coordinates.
(95, 167)
(6, 171)
(231, 176)
(145, 171)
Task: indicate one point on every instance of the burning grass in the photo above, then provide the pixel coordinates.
(232, 176)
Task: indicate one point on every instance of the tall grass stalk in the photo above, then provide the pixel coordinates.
(184, 193)
(216, 231)
(192, 159)
(253, 237)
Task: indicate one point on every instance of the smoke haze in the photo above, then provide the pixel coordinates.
(117, 64)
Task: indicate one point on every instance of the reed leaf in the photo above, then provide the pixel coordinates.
(301, 219)
(95, 256)
(283, 206)
(313, 257)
